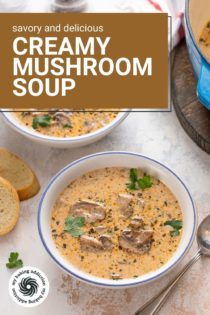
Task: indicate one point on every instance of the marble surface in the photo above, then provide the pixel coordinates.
(158, 135)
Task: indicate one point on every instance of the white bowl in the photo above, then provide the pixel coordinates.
(71, 142)
(116, 159)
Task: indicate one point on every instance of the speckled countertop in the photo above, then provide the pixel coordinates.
(158, 135)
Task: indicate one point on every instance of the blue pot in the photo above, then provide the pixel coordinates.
(200, 64)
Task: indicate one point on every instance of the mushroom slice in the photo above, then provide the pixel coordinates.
(35, 114)
(106, 241)
(91, 211)
(90, 244)
(100, 229)
(68, 111)
(115, 276)
(62, 118)
(136, 241)
(141, 203)
(89, 125)
(124, 202)
(136, 223)
(25, 113)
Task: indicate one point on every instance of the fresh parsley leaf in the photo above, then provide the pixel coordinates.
(13, 261)
(137, 183)
(132, 186)
(145, 182)
(75, 221)
(176, 225)
(67, 126)
(174, 233)
(76, 232)
(72, 226)
(133, 178)
(42, 121)
(133, 175)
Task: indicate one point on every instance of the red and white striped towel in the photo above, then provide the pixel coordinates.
(174, 8)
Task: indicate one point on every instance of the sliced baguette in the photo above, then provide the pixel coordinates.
(17, 172)
(9, 207)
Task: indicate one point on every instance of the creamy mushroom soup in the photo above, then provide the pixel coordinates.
(199, 16)
(116, 223)
(204, 40)
(66, 123)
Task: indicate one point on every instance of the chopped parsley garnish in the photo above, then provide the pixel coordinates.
(145, 182)
(73, 225)
(133, 178)
(66, 126)
(174, 233)
(138, 183)
(176, 225)
(133, 175)
(42, 121)
(14, 262)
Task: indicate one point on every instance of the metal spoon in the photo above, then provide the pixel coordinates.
(153, 306)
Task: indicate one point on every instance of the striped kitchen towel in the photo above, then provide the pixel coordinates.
(174, 8)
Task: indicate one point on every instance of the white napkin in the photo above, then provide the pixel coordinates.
(174, 8)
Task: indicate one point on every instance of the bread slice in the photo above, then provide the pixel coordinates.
(9, 207)
(17, 172)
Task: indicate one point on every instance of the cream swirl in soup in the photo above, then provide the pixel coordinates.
(117, 223)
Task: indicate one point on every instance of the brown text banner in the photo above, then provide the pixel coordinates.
(92, 60)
